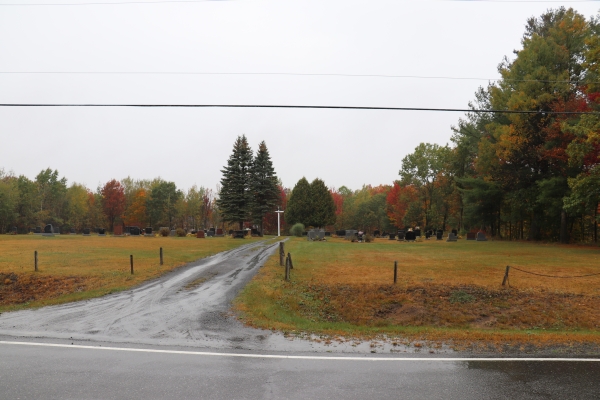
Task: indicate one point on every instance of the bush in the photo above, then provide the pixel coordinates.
(369, 238)
(164, 232)
(297, 229)
(180, 232)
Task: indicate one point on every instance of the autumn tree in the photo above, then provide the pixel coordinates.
(136, 213)
(113, 201)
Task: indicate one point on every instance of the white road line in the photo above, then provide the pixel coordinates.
(326, 358)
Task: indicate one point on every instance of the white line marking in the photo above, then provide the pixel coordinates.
(204, 353)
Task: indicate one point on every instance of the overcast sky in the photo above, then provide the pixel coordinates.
(425, 38)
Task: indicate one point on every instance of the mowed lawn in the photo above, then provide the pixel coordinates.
(444, 290)
(74, 267)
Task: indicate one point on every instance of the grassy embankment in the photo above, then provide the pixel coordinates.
(445, 291)
(76, 267)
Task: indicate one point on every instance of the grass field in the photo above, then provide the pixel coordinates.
(445, 291)
(76, 267)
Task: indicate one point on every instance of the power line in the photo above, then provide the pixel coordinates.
(104, 3)
(280, 74)
(465, 110)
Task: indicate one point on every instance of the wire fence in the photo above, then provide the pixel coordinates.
(554, 276)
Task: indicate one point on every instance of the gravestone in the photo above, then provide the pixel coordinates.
(401, 234)
(321, 234)
(210, 233)
(439, 235)
(481, 237)
(135, 231)
(48, 229)
(56, 230)
(86, 231)
(73, 232)
(451, 237)
(312, 235)
(350, 233)
(327, 234)
(376, 233)
(239, 234)
(427, 234)
(101, 232)
(417, 232)
(148, 231)
(455, 232)
(392, 236)
(200, 234)
(231, 231)
(118, 230)
(254, 232)
(212, 230)
(471, 236)
(38, 229)
(173, 232)
(304, 233)
(340, 233)
(219, 232)
(14, 230)
(410, 236)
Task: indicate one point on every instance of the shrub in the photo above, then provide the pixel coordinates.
(164, 232)
(369, 238)
(297, 229)
(180, 232)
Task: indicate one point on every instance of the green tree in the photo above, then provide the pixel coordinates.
(235, 197)
(263, 185)
(322, 204)
(77, 205)
(161, 203)
(299, 206)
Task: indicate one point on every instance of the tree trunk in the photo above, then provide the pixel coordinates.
(564, 234)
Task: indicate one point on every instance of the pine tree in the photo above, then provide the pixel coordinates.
(322, 204)
(235, 198)
(264, 188)
(299, 207)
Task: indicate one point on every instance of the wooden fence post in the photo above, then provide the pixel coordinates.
(131, 261)
(287, 268)
(161, 256)
(36, 260)
(281, 254)
(395, 272)
(505, 280)
(291, 263)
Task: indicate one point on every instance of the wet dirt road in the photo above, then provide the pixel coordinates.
(188, 306)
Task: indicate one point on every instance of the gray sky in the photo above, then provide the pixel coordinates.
(429, 38)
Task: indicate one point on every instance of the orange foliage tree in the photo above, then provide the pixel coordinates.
(398, 201)
(113, 201)
(136, 212)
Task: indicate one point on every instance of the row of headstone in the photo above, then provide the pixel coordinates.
(316, 234)
(350, 233)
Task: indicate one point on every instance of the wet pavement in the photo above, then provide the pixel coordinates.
(174, 321)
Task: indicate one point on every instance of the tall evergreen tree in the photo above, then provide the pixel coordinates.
(264, 188)
(299, 206)
(235, 198)
(323, 206)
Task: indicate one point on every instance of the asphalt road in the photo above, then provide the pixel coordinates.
(173, 338)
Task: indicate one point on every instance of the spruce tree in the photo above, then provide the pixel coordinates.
(322, 204)
(265, 191)
(235, 198)
(299, 207)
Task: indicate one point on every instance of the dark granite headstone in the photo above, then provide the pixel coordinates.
(101, 232)
(376, 233)
(427, 234)
(481, 237)
(455, 232)
(327, 234)
(392, 236)
(439, 234)
(239, 234)
(254, 232)
(14, 230)
(231, 231)
(417, 232)
(38, 229)
(86, 231)
(340, 233)
(148, 231)
(73, 231)
(401, 234)
(210, 233)
(212, 229)
(410, 236)
(135, 231)
(48, 229)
